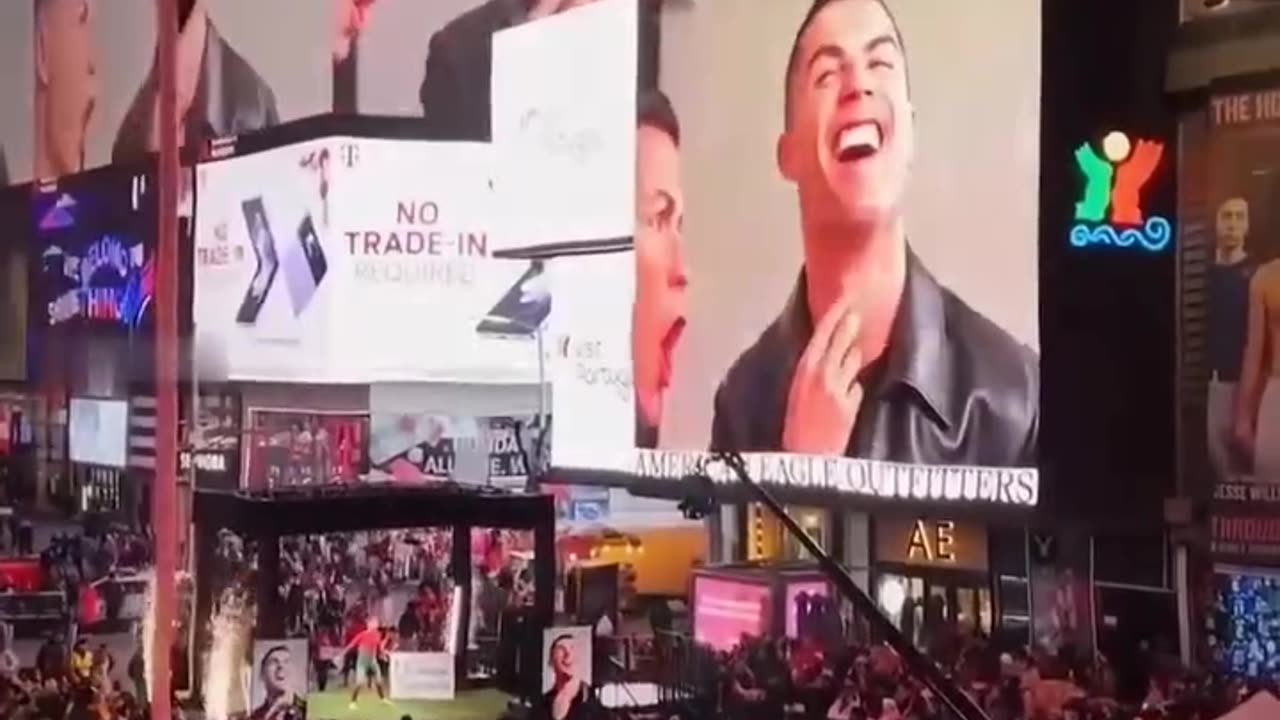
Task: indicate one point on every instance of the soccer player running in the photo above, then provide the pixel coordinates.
(369, 645)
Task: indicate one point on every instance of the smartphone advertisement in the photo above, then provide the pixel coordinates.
(309, 255)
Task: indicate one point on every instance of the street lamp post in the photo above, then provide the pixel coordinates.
(164, 490)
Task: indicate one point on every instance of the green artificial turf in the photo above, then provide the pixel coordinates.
(469, 705)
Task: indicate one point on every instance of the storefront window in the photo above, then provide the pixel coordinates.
(816, 523)
(931, 606)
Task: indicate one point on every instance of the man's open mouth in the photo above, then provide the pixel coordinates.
(857, 141)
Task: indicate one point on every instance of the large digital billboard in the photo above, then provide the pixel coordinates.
(94, 251)
(835, 265)
(85, 70)
(353, 260)
(1235, 149)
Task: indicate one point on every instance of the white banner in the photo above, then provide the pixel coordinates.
(355, 260)
(564, 125)
(422, 676)
(590, 366)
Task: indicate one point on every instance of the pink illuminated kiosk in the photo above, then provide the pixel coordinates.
(755, 600)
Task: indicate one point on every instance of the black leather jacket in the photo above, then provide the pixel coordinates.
(231, 99)
(952, 388)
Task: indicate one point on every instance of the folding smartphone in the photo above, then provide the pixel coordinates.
(264, 251)
(304, 266)
(522, 309)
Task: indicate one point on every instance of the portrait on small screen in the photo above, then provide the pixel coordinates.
(567, 677)
(279, 685)
(816, 272)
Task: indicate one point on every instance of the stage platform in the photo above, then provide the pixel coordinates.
(469, 705)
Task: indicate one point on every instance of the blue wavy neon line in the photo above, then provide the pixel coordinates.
(1154, 236)
(1159, 233)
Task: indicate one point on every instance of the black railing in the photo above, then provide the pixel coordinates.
(688, 675)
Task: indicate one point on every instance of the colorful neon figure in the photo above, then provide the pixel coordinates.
(1116, 182)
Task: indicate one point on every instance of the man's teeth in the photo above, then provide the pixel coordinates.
(862, 137)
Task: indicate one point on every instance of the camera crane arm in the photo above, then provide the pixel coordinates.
(961, 705)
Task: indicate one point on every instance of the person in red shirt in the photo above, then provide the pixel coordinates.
(354, 627)
(369, 646)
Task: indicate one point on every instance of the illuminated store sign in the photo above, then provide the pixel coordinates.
(855, 477)
(1109, 212)
(111, 282)
(97, 258)
(933, 544)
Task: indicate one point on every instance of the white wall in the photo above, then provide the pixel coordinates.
(322, 398)
(456, 399)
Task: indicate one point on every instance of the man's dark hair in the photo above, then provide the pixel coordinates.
(185, 8)
(559, 639)
(653, 108)
(794, 58)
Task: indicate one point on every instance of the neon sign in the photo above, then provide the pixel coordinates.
(114, 282)
(1115, 182)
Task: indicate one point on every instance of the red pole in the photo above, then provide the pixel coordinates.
(164, 492)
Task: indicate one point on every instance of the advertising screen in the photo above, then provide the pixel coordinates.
(309, 255)
(1236, 143)
(95, 77)
(567, 653)
(289, 448)
(211, 445)
(1244, 624)
(427, 60)
(810, 610)
(423, 447)
(97, 432)
(95, 245)
(726, 610)
(279, 685)
(835, 264)
(432, 59)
